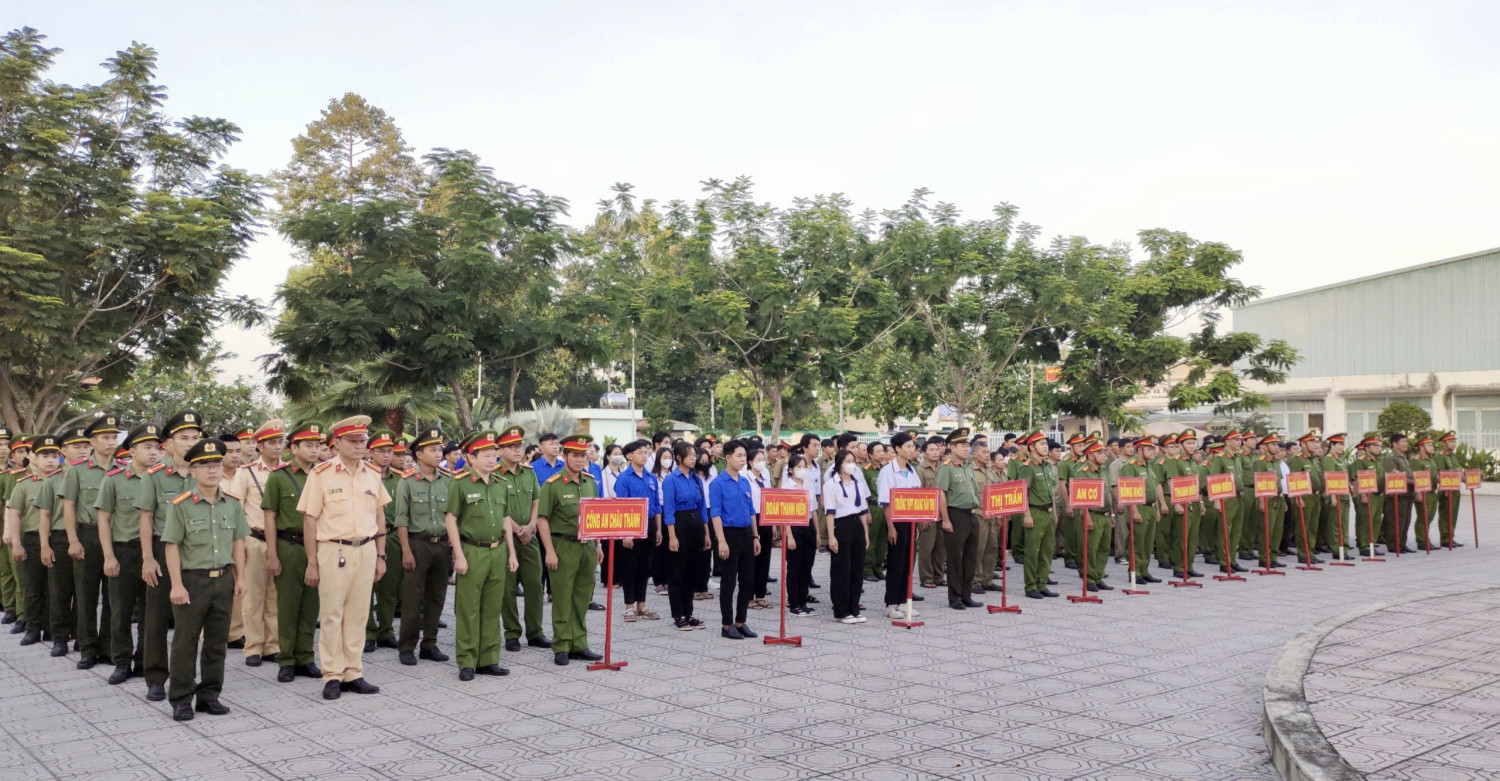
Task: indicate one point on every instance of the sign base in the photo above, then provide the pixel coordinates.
(1003, 608)
(796, 641)
(1373, 558)
(1267, 571)
(908, 624)
(1229, 578)
(607, 666)
(1309, 568)
(1340, 563)
(1188, 583)
(1075, 599)
(1134, 592)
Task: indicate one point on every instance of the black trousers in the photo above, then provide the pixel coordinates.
(207, 615)
(963, 552)
(737, 574)
(423, 592)
(155, 619)
(898, 565)
(799, 563)
(689, 565)
(763, 563)
(661, 560)
(633, 567)
(33, 576)
(846, 573)
(127, 592)
(716, 565)
(91, 595)
(62, 613)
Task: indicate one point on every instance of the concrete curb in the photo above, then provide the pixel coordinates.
(1298, 749)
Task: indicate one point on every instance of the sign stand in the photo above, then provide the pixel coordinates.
(1083, 571)
(1452, 517)
(1426, 527)
(609, 615)
(1133, 591)
(1186, 563)
(1338, 514)
(1471, 479)
(782, 639)
(1091, 491)
(1370, 530)
(1306, 565)
(1228, 574)
(896, 513)
(1265, 525)
(1003, 607)
(911, 566)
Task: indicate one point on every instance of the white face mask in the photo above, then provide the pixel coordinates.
(617, 459)
(666, 461)
(851, 469)
(759, 466)
(804, 473)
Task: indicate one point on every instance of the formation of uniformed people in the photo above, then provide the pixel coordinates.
(275, 538)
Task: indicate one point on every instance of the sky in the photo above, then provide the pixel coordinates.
(1325, 140)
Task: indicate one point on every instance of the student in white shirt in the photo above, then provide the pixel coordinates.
(846, 506)
(802, 542)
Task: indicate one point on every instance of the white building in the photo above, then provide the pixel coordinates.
(1428, 334)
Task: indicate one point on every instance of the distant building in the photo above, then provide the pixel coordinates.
(1428, 334)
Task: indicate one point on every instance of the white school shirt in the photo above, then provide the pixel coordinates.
(892, 477)
(841, 498)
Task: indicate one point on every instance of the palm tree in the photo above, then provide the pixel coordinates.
(365, 389)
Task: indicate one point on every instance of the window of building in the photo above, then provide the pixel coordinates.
(1295, 417)
(1477, 421)
(1361, 414)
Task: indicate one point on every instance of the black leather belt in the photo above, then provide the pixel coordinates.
(259, 534)
(350, 543)
(212, 573)
(471, 541)
(435, 539)
(289, 537)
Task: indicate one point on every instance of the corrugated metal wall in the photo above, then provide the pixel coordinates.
(1443, 316)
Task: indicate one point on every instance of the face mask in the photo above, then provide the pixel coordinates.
(759, 466)
(616, 459)
(851, 469)
(805, 473)
(666, 462)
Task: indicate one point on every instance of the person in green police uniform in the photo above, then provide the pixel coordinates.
(1224, 460)
(61, 614)
(1268, 515)
(1161, 545)
(426, 556)
(1184, 517)
(204, 534)
(119, 542)
(20, 452)
(286, 556)
(1334, 534)
(1424, 505)
(572, 561)
(1397, 521)
(1040, 475)
(1146, 515)
(22, 526)
(78, 493)
(164, 482)
(481, 532)
(1249, 451)
(1067, 526)
(1368, 508)
(875, 555)
(9, 599)
(380, 629)
(1448, 501)
(1094, 525)
(959, 504)
(528, 575)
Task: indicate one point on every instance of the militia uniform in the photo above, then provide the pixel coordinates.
(1448, 501)
(479, 522)
(1368, 509)
(1312, 508)
(1146, 515)
(116, 511)
(1397, 506)
(380, 630)
(960, 496)
(296, 602)
(345, 506)
(79, 493)
(61, 592)
(419, 507)
(203, 537)
(164, 482)
(258, 608)
(33, 580)
(1424, 503)
(571, 560)
(1041, 490)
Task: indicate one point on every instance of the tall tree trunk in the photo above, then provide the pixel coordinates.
(774, 391)
(465, 416)
(8, 411)
(515, 379)
(395, 420)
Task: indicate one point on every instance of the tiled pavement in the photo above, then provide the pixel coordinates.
(1160, 686)
(1413, 691)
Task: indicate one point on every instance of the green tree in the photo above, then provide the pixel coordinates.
(1403, 417)
(163, 387)
(352, 153)
(118, 226)
(364, 389)
(887, 383)
(1018, 402)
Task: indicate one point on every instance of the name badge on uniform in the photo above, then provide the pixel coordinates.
(335, 490)
(473, 498)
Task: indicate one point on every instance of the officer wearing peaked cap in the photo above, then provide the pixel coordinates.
(23, 522)
(960, 488)
(522, 498)
(119, 542)
(480, 532)
(164, 482)
(1425, 503)
(286, 554)
(9, 599)
(1369, 510)
(380, 629)
(1448, 501)
(79, 492)
(258, 609)
(571, 560)
(426, 556)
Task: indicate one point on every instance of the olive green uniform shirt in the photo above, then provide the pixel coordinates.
(203, 531)
(117, 497)
(24, 498)
(558, 501)
(283, 491)
(521, 491)
(81, 486)
(1041, 481)
(479, 507)
(960, 484)
(421, 503)
(163, 484)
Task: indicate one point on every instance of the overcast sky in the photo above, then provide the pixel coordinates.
(1324, 140)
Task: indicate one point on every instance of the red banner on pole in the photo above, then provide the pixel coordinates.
(611, 519)
(783, 507)
(1450, 479)
(1299, 484)
(1220, 487)
(1471, 479)
(919, 505)
(1423, 483)
(1267, 485)
(1085, 493)
(1001, 499)
(1184, 489)
(1130, 491)
(1395, 483)
(1366, 482)
(1336, 483)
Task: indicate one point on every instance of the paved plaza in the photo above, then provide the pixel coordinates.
(1151, 687)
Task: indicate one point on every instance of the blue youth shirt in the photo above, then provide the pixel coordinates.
(680, 493)
(544, 471)
(629, 485)
(731, 501)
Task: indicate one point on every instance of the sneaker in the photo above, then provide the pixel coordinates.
(799, 612)
(731, 633)
(895, 611)
(860, 619)
(849, 620)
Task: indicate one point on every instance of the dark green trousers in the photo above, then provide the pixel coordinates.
(155, 619)
(33, 584)
(127, 592)
(10, 591)
(529, 575)
(1249, 532)
(1145, 536)
(296, 607)
(1269, 516)
(91, 594)
(423, 592)
(1312, 518)
(572, 588)
(1334, 529)
(875, 554)
(476, 606)
(1096, 537)
(62, 615)
(1162, 542)
(1397, 519)
(1425, 509)
(1368, 512)
(210, 596)
(1447, 517)
(386, 595)
(1184, 518)
(1039, 545)
(1225, 542)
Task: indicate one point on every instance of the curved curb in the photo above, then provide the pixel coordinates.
(1298, 749)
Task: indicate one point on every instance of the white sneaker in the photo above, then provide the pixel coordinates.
(860, 619)
(848, 620)
(894, 611)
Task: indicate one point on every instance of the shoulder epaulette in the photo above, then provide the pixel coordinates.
(185, 495)
(555, 477)
(77, 461)
(460, 473)
(525, 466)
(320, 467)
(114, 471)
(153, 470)
(234, 496)
(281, 467)
(409, 472)
(17, 471)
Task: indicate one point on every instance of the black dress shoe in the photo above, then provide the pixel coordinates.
(87, 663)
(585, 655)
(871, 579)
(1104, 586)
(1316, 560)
(432, 655)
(369, 646)
(918, 598)
(442, 624)
(156, 692)
(1408, 549)
(746, 632)
(59, 648)
(268, 658)
(408, 658)
(1278, 565)
(1246, 557)
(560, 658)
(332, 690)
(18, 628)
(492, 669)
(9, 617)
(814, 585)
(253, 660)
(773, 580)
(212, 707)
(1034, 594)
(540, 641)
(120, 675)
(956, 604)
(286, 674)
(1192, 573)
(466, 674)
(1092, 587)
(309, 670)
(1148, 579)
(977, 590)
(1238, 568)
(182, 711)
(513, 645)
(389, 642)
(1177, 574)
(1211, 560)
(1047, 592)
(359, 686)
(1051, 582)
(595, 606)
(238, 645)
(972, 603)
(1458, 545)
